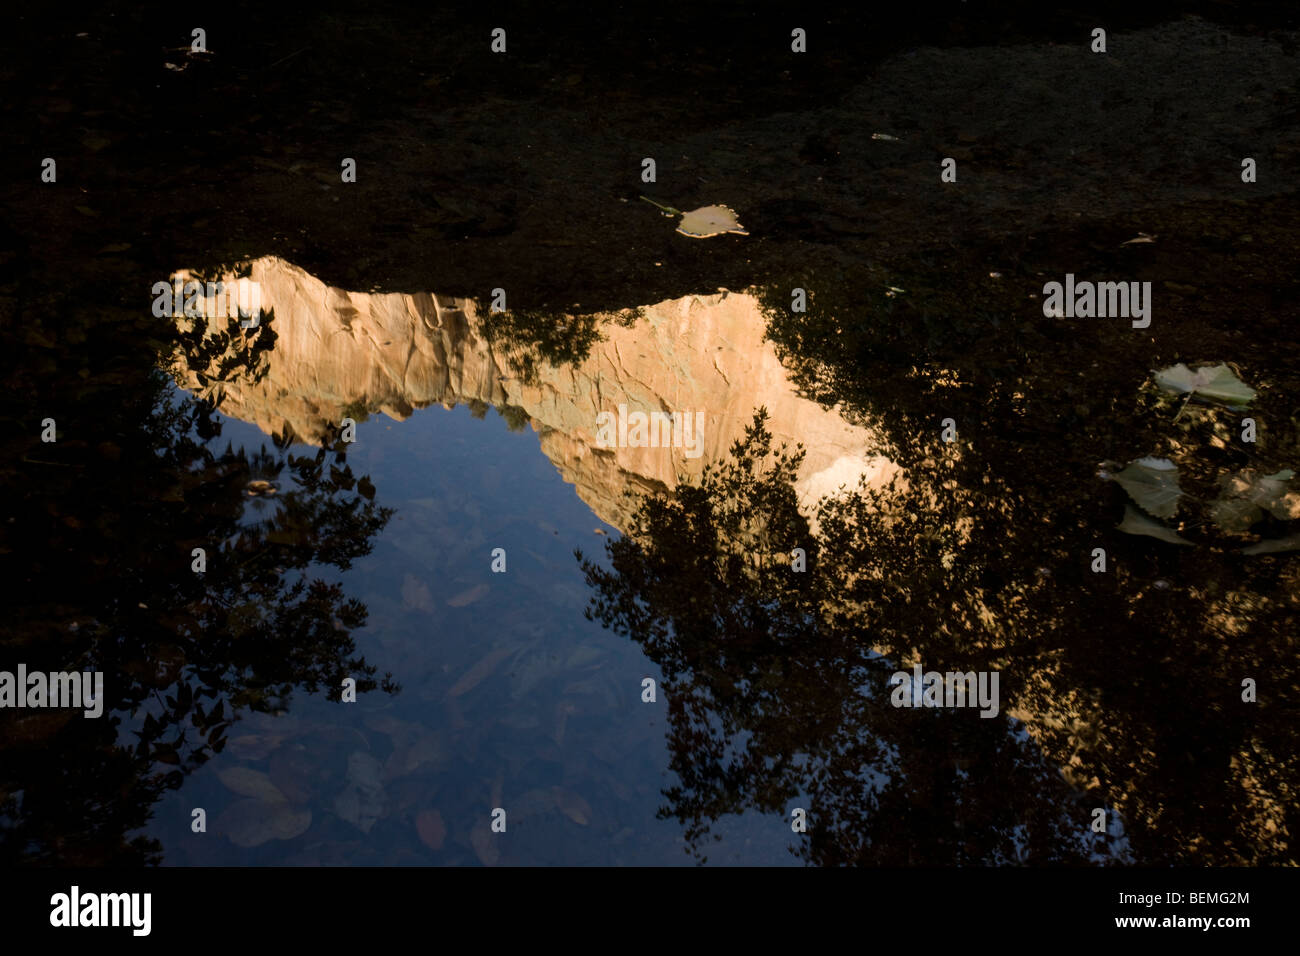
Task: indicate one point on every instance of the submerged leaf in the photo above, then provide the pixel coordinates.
(248, 782)
(1153, 484)
(485, 846)
(572, 805)
(250, 823)
(291, 772)
(479, 672)
(1135, 522)
(255, 746)
(1215, 382)
(431, 829)
(710, 221)
(469, 597)
(415, 595)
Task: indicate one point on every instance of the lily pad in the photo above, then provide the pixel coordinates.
(1216, 382)
(1152, 483)
(1135, 522)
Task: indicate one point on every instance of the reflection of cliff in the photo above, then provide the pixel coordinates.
(394, 353)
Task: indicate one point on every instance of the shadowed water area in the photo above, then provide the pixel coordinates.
(651, 652)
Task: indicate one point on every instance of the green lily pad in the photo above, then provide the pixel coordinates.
(1152, 483)
(1216, 382)
(1135, 522)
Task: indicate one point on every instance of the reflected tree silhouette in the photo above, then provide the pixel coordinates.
(1130, 680)
(534, 337)
(777, 697)
(101, 547)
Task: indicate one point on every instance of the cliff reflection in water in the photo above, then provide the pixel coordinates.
(338, 352)
(1116, 695)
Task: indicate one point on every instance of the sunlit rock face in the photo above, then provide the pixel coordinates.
(699, 356)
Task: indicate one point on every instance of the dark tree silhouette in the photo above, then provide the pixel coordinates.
(100, 545)
(777, 698)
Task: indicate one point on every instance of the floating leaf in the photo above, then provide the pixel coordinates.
(431, 829)
(1135, 522)
(1273, 545)
(1234, 514)
(1248, 496)
(1153, 484)
(1215, 382)
(710, 221)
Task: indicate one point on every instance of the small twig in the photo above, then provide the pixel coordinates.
(283, 58)
(668, 209)
(59, 464)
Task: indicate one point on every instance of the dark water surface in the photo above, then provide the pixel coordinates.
(1148, 703)
(554, 729)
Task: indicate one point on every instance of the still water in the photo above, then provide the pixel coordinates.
(510, 697)
(397, 576)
